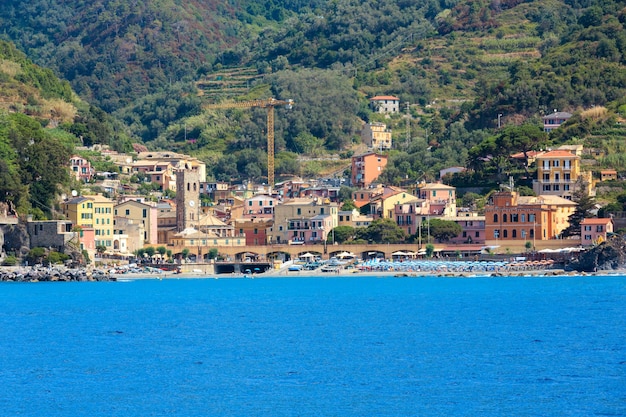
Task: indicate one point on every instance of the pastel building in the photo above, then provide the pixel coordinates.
(81, 168)
(555, 120)
(385, 104)
(303, 221)
(376, 136)
(259, 206)
(557, 174)
(92, 211)
(139, 213)
(595, 231)
(509, 216)
(441, 198)
(366, 168)
(353, 218)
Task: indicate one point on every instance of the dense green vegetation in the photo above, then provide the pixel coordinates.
(464, 67)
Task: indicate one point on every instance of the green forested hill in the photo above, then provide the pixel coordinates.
(41, 122)
(459, 63)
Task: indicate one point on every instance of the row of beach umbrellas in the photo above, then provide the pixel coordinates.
(449, 266)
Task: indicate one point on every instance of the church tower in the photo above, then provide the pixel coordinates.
(187, 198)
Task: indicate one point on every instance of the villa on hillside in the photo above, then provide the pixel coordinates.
(555, 120)
(385, 104)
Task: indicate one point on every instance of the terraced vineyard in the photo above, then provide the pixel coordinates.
(230, 82)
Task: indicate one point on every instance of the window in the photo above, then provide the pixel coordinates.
(127, 212)
(600, 228)
(531, 217)
(496, 233)
(587, 237)
(523, 233)
(250, 203)
(556, 187)
(495, 218)
(513, 233)
(504, 218)
(546, 187)
(532, 233)
(546, 176)
(523, 218)
(299, 211)
(587, 228)
(144, 213)
(464, 234)
(505, 233)
(477, 234)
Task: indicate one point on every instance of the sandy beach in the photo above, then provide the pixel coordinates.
(355, 273)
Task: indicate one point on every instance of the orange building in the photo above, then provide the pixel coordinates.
(366, 168)
(509, 216)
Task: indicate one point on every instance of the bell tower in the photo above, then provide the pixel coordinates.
(187, 198)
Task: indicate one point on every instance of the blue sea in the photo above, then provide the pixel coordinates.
(315, 347)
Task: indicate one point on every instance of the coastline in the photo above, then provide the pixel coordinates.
(284, 274)
(21, 274)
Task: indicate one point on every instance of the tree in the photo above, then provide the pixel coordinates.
(100, 249)
(341, 234)
(430, 249)
(150, 251)
(348, 205)
(444, 230)
(585, 204)
(382, 231)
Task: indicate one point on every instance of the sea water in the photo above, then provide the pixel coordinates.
(315, 347)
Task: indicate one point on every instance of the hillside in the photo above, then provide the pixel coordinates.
(459, 64)
(41, 122)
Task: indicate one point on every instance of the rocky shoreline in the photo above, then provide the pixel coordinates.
(53, 274)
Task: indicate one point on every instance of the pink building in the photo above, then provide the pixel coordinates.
(260, 206)
(594, 231)
(81, 168)
(441, 197)
(555, 120)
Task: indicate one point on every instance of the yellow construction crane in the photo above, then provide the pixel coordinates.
(269, 104)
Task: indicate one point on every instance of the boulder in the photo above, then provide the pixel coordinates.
(609, 255)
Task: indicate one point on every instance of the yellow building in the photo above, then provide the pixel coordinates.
(140, 213)
(557, 174)
(383, 205)
(303, 220)
(353, 218)
(376, 136)
(93, 211)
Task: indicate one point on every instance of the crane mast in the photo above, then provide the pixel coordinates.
(268, 104)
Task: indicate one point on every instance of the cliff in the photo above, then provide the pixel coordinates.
(609, 255)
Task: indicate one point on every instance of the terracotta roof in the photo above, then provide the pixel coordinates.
(385, 98)
(530, 154)
(556, 154)
(596, 221)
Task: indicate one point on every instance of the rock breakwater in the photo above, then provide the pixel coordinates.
(8, 274)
